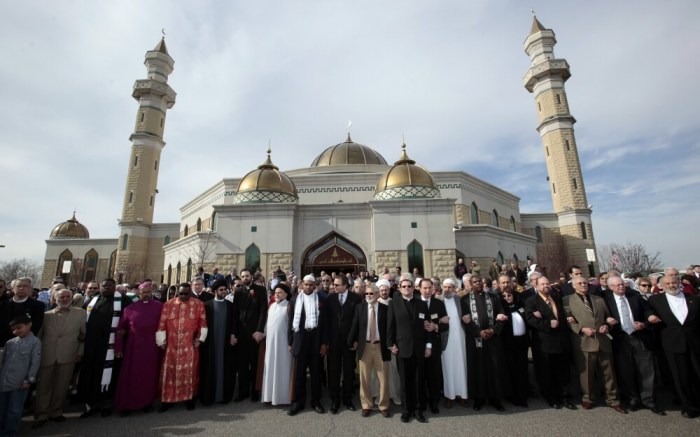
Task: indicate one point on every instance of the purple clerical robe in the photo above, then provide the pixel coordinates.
(138, 382)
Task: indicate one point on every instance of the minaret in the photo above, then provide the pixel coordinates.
(155, 97)
(545, 79)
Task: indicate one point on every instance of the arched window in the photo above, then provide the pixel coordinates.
(512, 224)
(474, 213)
(214, 219)
(494, 218)
(199, 225)
(90, 265)
(125, 241)
(65, 257)
(189, 270)
(538, 233)
(178, 271)
(415, 257)
(166, 240)
(170, 274)
(252, 257)
(112, 263)
(187, 230)
(584, 234)
(499, 257)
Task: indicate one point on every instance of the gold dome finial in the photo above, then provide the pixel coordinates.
(404, 159)
(268, 161)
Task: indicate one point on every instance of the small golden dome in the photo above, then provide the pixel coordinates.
(348, 152)
(266, 184)
(71, 228)
(406, 179)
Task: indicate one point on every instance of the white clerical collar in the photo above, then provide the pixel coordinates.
(218, 300)
(15, 300)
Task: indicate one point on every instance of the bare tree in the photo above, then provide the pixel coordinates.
(204, 247)
(21, 267)
(130, 272)
(629, 258)
(77, 273)
(552, 257)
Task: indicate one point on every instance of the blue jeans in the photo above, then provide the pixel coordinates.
(11, 407)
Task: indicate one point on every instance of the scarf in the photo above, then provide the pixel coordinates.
(310, 305)
(475, 314)
(109, 357)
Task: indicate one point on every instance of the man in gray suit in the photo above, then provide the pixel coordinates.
(589, 318)
(62, 336)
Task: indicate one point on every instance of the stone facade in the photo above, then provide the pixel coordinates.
(441, 262)
(388, 258)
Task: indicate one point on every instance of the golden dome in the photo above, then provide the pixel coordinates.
(266, 184)
(348, 152)
(406, 179)
(71, 228)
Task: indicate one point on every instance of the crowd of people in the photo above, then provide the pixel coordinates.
(419, 343)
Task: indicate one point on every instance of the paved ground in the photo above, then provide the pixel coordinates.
(257, 420)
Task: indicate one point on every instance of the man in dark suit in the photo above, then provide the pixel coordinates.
(368, 337)
(252, 304)
(677, 315)
(588, 319)
(632, 343)
(407, 339)
(198, 290)
(551, 345)
(567, 288)
(308, 340)
(430, 388)
(341, 359)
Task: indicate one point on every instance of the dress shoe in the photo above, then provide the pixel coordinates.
(689, 414)
(656, 410)
(619, 409)
(147, 409)
(569, 406)
(124, 413)
(319, 408)
(350, 406)
(294, 409)
(106, 412)
(385, 413)
(334, 408)
(58, 419)
(405, 417)
(88, 413)
(555, 405)
(420, 417)
(586, 405)
(478, 405)
(499, 407)
(240, 398)
(38, 423)
(463, 402)
(189, 404)
(633, 406)
(448, 403)
(164, 407)
(365, 412)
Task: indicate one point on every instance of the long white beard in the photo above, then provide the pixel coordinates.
(673, 292)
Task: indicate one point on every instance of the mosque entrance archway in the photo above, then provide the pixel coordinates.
(333, 253)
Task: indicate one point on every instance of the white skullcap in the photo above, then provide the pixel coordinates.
(309, 278)
(449, 281)
(417, 283)
(383, 282)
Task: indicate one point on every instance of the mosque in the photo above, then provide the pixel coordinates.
(350, 210)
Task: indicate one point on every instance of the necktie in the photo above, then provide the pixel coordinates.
(552, 307)
(587, 304)
(342, 299)
(372, 325)
(626, 317)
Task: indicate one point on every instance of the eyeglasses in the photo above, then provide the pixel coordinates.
(407, 286)
(370, 294)
(645, 285)
(326, 280)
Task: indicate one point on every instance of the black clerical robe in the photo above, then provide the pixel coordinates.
(216, 359)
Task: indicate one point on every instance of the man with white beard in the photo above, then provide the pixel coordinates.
(676, 315)
(454, 352)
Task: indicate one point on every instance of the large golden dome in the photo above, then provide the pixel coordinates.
(348, 152)
(406, 179)
(266, 184)
(71, 228)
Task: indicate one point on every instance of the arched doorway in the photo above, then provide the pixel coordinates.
(334, 253)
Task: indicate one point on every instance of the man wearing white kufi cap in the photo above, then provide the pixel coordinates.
(308, 339)
(454, 353)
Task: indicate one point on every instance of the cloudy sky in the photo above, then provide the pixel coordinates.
(446, 74)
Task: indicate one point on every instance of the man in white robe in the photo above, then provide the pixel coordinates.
(277, 377)
(454, 354)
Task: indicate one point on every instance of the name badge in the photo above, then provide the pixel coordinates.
(521, 310)
(421, 316)
(433, 316)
